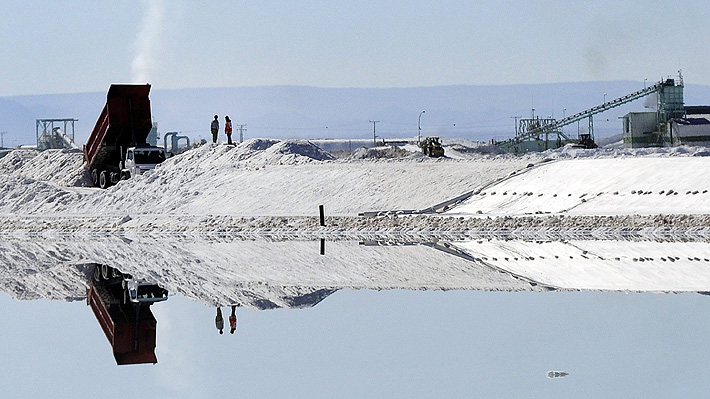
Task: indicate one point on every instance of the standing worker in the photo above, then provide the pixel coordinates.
(233, 320)
(228, 128)
(215, 128)
(218, 320)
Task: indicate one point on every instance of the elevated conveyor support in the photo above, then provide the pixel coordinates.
(599, 109)
(50, 136)
(668, 108)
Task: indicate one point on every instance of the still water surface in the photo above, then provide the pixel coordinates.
(369, 343)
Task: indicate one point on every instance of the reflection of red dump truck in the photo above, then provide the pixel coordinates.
(117, 147)
(122, 307)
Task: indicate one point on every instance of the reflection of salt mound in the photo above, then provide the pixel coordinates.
(265, 297)
(380, 152)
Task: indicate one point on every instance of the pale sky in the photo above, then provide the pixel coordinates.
(370, 344)
(80, 46)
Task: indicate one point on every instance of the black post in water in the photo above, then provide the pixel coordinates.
(322, 246)
(322, 215)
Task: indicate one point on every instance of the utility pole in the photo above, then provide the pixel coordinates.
(242, 129)
(374, 132)
(2, 139)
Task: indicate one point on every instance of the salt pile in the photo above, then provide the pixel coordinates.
(383, 152)
(61, 167)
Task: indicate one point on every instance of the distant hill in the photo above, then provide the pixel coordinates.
(472, 112)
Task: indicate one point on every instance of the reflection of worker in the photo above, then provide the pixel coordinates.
(215, 129)
(219, 321)
(228, 129)
(233, 320)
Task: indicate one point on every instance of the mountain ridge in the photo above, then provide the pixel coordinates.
(477, 112)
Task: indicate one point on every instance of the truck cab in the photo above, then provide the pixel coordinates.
(141, 159)
(143, 293)
(134, 290)
(117, 147)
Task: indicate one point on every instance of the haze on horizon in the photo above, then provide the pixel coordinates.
(83, 46)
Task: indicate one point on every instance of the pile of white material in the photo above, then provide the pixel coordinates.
(258, 177)
(60, 167)
(571, 152)
(384, 152)
(292, 190)
(269, 178)
(603, 186)
(22, 195)
(291, 178)
(251, 154)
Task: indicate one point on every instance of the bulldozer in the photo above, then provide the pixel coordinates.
(586, 141)
(431, 146)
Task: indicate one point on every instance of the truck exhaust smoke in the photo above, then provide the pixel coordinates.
(148, 41)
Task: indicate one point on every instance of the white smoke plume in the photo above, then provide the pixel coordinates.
(148, 41)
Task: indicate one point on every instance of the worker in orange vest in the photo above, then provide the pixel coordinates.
(233, 320)
(228, 128)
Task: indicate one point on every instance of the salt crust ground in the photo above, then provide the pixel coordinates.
(217, 196)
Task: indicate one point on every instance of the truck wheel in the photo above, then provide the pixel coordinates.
(104, 180)
(95, 177)
(104, 272)
(97, 273)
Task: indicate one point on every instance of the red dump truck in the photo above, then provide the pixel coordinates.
(117, 147)
(122, 308)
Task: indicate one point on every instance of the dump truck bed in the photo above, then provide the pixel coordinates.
(131, 335)
(125, 121)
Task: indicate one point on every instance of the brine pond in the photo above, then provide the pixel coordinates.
(483, 318)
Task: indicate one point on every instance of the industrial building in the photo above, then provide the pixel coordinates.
(647, 129)
(671, 124)
(694, 129)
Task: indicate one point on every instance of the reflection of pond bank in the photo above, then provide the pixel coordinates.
(221, 269)
(250, 273)
(417, 227)
(610, 265)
